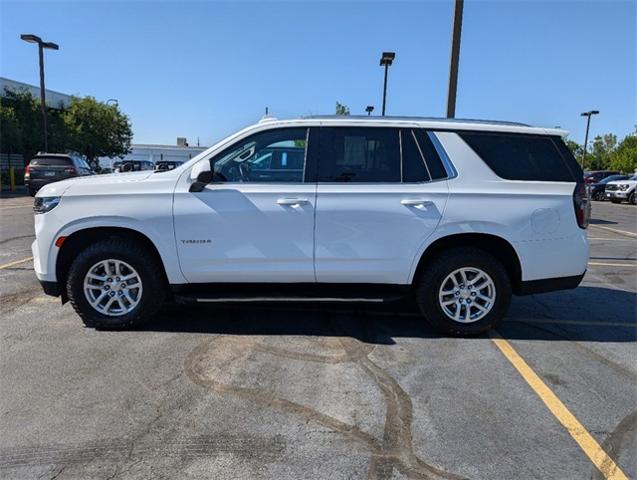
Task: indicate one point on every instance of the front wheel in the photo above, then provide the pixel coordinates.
(599, 196)
(632, 199)
(116, 284)
(464, 291)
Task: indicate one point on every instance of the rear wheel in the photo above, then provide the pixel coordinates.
(464, 291)
(632, 199)
(116, 284)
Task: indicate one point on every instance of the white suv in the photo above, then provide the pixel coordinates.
(622, 190)
(459, 215)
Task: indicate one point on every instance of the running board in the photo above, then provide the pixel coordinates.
(284, 293)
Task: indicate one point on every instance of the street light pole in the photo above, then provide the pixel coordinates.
(41, 46)
(588, 124)
(455, 58)
(386, 60)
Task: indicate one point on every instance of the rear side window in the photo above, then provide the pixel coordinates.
(414, 168)
(51, 161)
(514, 156)
(355, 154)
(434, 164)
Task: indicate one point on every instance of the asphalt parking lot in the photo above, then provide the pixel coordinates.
(347, 393)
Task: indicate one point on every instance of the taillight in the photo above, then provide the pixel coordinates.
(581, 204)
(70, 171)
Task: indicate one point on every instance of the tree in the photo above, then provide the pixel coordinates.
(603, 146)
(341, 109)
(624, 158)
(22, 119)
(575, 148)
(96, 129)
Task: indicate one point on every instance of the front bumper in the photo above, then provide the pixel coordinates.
(50, 288)
(617, 194)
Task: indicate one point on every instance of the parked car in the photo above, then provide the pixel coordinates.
(622, 190)
(133, 166)
(46, 168)
(595, 176)
(167, 165)
(598, 190)
(458, 215)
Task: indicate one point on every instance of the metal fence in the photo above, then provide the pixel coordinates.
(8, 160)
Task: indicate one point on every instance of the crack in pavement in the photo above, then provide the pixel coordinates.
(394, 451)
(624, 434)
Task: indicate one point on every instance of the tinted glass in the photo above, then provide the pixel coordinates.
(51, 161)
(436, 168)
(523, 157)
(270, 156)
(414, 169)
(359, 155)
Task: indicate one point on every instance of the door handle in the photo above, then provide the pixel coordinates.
(416, 202)
(292, 201)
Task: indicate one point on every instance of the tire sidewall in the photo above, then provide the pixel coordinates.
(453, 260)
(75, 288)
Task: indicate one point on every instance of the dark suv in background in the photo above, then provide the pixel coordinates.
(47, 168)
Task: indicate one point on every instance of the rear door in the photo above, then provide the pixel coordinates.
(381, 193)
(253, 223)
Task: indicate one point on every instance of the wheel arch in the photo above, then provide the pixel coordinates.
(82, 238)
(497, 246)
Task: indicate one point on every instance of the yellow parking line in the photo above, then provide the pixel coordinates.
(17, 206)
(17, 262)
(583, 323)
(623, 232)
(585, 440)
(596, 264)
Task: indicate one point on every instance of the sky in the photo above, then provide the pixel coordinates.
(206, 69)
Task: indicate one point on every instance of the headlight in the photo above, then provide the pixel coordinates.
(623, 187)
(45, 204)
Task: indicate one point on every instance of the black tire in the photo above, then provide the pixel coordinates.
(148, 267)
(444, 264)
(632, 199)
(599, 196)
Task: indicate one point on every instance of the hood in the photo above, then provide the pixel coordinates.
(57, 189)
(622, 182)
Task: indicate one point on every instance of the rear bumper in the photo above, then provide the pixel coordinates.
(549, 284)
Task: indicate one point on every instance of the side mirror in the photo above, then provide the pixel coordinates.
(201, 175)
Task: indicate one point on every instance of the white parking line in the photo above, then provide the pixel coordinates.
(599, 264)
(622, 232)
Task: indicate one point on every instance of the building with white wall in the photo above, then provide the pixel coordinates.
(53, 99)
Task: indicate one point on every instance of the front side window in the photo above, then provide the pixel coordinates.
(270, 156)
(352, 154)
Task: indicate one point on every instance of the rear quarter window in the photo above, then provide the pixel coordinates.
(51, 161)
(515, 156)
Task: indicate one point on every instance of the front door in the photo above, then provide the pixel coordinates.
(255, 221)
(378, 201)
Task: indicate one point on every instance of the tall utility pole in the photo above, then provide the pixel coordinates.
(588, 124)
(455, 57)
(41, 46)
(386, 59)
